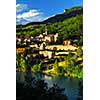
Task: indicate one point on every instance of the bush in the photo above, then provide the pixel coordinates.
(36, 68)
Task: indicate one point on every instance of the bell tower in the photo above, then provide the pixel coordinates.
(46, 30)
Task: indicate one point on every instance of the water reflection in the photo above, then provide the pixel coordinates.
(70, 85)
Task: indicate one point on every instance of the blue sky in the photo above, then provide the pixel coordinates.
(39, 10)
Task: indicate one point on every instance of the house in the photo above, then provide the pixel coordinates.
(49, 38)
(20, 50)
(55, 37)
(37, 38)
(18, 41)
(46, 53)
(67, 42)
(42, 46)
(41, 36)
(61, 47)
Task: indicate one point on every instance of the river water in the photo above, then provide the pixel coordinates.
(70, 85)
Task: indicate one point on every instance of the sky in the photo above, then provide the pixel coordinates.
(39, 10)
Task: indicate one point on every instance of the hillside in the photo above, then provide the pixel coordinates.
(58, 18)
(67, 14)
(68, 24)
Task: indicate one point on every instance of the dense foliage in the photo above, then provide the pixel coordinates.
(27, 63)
(73, 66)
(69, 29)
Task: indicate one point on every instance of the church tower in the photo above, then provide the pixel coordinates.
(46, 30)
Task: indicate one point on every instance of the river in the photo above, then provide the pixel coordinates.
(70, 84)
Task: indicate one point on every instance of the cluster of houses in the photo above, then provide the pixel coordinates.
(44, 37)
(25, 40)
(44, 47)
(47, 38)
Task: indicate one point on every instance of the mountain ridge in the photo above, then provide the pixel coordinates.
(68, 13)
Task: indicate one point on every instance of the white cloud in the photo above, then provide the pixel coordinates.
(20, 7)
(30, 16)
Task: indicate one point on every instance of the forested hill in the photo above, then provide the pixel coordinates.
(69, 25)
(68, 13)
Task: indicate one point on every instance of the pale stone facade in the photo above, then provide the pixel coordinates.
(55, 37)
(49, 38)
(61, 47)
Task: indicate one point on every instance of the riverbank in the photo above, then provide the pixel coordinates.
(52, 72)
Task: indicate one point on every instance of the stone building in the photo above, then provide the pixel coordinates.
(67, 42)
